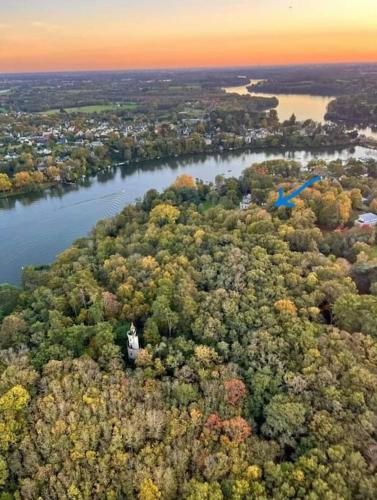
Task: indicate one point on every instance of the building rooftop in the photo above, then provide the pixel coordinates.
(368, 218)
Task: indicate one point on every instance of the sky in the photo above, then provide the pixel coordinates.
(52, 35)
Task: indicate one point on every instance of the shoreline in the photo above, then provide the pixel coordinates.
(115, 163)
(369, 143)
(105, 195)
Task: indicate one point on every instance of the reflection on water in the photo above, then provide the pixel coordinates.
(303, 106)
(34, 228)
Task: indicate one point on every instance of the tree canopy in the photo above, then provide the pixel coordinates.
(257, 372)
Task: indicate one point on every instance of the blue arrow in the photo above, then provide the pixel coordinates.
(285, 201)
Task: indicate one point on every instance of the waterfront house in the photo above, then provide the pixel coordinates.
(245, 203)
(367, 219)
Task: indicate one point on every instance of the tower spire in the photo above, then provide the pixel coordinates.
(133, 343)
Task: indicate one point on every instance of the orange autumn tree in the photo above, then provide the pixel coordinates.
(285, 306)
(237, 428)
(373, 206)
(185, 181)
(22, 179)
(235, 391)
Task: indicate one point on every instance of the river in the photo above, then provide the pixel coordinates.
(34, 228)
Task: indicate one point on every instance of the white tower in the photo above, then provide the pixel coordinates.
(133, 342)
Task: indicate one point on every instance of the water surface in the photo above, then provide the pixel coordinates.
(35, 228)
(303, 106)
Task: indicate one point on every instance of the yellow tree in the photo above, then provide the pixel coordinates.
(53, 172)
(5, 184)
(164, 213)
(149, 491)
(37, 177)
(357, 199)
(344, 206)
(11, 405)
(335, 209)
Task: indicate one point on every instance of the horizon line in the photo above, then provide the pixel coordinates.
(189, 68)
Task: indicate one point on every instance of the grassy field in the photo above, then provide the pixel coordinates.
(96, 108)
(184, 87)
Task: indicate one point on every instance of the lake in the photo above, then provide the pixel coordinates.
(303, 106)
(34, 228)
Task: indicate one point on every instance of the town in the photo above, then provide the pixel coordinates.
(40, 150)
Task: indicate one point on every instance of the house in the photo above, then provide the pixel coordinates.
(11, 156)
(257, 133)
(368, 219)
(45, 152)
(245, 203)
(96, 144)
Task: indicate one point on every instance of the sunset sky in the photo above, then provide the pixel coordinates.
(47, 35)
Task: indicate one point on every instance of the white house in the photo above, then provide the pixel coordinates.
(368, 219)
(245, 203)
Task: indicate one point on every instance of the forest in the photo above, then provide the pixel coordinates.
(148, 90)
(325, 79)
(359, 109)
(257, 372)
